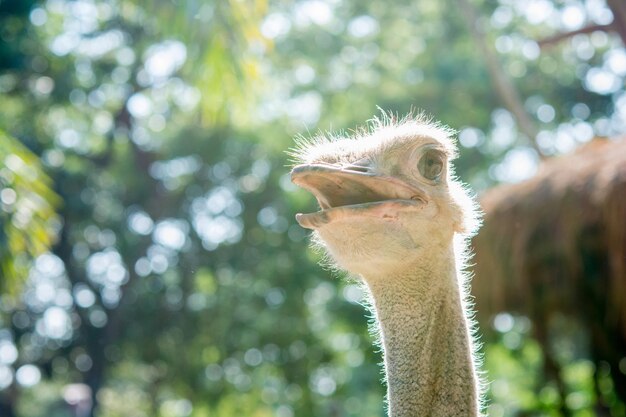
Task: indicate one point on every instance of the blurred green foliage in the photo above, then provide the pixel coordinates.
(27, 212)
(161, 270)
(519, 383)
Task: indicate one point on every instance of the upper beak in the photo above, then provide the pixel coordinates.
(338, 186)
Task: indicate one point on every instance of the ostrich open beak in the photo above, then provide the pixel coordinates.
(353, 191)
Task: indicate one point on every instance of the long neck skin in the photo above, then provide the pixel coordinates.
(426, 341)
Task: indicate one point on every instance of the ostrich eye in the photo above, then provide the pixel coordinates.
(430, 164)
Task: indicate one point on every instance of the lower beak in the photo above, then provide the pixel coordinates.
(343, 191)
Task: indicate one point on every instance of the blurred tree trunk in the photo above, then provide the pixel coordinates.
(502, 83)
(618, 7)
(8, 401)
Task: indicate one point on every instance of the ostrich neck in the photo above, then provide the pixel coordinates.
(426, 341)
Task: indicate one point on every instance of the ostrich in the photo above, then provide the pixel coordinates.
(393, 214)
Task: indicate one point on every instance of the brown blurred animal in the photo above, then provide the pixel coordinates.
(555, 246)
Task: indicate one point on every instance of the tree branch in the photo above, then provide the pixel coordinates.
(551, 40)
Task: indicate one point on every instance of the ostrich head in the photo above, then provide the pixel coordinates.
(387, 194)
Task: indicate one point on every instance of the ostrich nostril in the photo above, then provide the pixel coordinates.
(358, 168)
